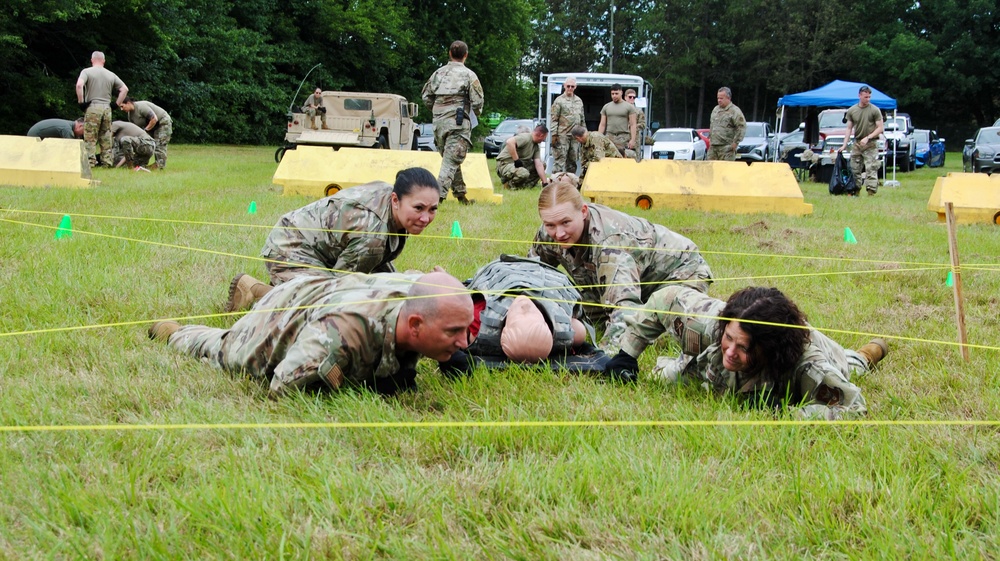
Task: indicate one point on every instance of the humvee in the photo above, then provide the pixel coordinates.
(371, 120)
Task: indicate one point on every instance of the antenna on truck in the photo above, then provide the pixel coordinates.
(296, 96)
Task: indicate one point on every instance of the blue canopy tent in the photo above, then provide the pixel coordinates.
(837, 93)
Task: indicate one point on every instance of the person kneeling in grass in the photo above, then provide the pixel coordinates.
(757, 345)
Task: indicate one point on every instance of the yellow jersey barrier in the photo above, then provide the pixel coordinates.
(43, 162)
(975, 196)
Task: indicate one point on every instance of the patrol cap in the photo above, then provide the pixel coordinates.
(526, 336)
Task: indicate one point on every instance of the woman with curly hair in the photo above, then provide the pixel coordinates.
(757, 344)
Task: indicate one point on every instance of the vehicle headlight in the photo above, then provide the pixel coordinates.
(684, 151)
(986, 152)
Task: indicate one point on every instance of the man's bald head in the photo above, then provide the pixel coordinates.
(434, 320)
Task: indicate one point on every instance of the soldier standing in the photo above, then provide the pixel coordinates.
(454, 95)
(358, 230)
(594, 147)
(94, 90)
(864, 121)
(618, 120)
(566, 113)
(132, 146)
(314, 109)
(756, 345)
(519, 164)
(727, 129)
(154, 121)
(321, 332)
(640, 123)
(616, 260)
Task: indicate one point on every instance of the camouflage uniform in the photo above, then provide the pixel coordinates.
(621, 260)
(311, 332)
(566, 113)
(527, 151)
(640, 132)
(131, 143)
(822, 375)
(450, 87)
(728, 127)
(348, 232)
(864, 161)
(617, 126)
(596, 148)
(312, 110)
(141, 115)
(99, 85)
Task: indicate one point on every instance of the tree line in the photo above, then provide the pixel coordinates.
(226, 71)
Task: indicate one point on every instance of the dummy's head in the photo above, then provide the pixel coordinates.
(526, 336)
(567, 177)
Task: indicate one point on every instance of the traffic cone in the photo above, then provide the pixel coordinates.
(65, 228)
(252, 209)
(456, 230)
(849, 236)
(950, 281)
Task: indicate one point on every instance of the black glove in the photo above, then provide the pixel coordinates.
(84, 105)
(623, 368)
(460, 364)
(403, 380)
(518, 164)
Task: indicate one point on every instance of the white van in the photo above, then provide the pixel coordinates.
(595, 91)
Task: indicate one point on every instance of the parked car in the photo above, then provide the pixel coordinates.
(703, 134)
(901, 144)
(425, 138)
(757, 144)
(830, 142)
(789, 142)
(677, 144)
(930, 148)
(506, 129)
(982, 153)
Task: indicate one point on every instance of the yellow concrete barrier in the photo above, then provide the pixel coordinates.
(975, 196)
(732, 187)
(50, 162)
(320, 171)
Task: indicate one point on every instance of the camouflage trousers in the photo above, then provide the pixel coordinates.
(614, 332)
(517, 178)
(565, 153)
(314, 113)
(684, 312)
(721, 152)
(865, 165)
(134, 149)
(242, 348)
(621, 142)
(453, 149)
(97, 131)
(161, 135)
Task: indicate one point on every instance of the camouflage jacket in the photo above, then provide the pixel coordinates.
(596, 148)
(450, 87)
(821, 376)
(619, 261)
(728, 126)
(566, 113)
(320, 331)
(352, 231)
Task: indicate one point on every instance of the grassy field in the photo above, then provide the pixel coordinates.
(157, 456)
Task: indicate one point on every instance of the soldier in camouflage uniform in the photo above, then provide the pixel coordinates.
(94, 91)
(640, 124)
(764, 362)
(865, 122)
(618, 121)
(154, 121)
(322, 332)
(133, 146)
(594, 147)
(566, 113)
(453, 93)
(727, 128)
(525, 171)
(314, 109)
(358, 230)
(616, 260)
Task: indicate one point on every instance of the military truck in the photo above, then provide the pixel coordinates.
(368, 120)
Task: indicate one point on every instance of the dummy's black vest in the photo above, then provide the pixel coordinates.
(509, 277)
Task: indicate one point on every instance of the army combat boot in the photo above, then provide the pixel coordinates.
(244, 290)
(162, 330)
(874, 351)
(465, 201)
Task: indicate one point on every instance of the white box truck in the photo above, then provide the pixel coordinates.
(595, 91)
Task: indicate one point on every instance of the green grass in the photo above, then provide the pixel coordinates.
(484, 492)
